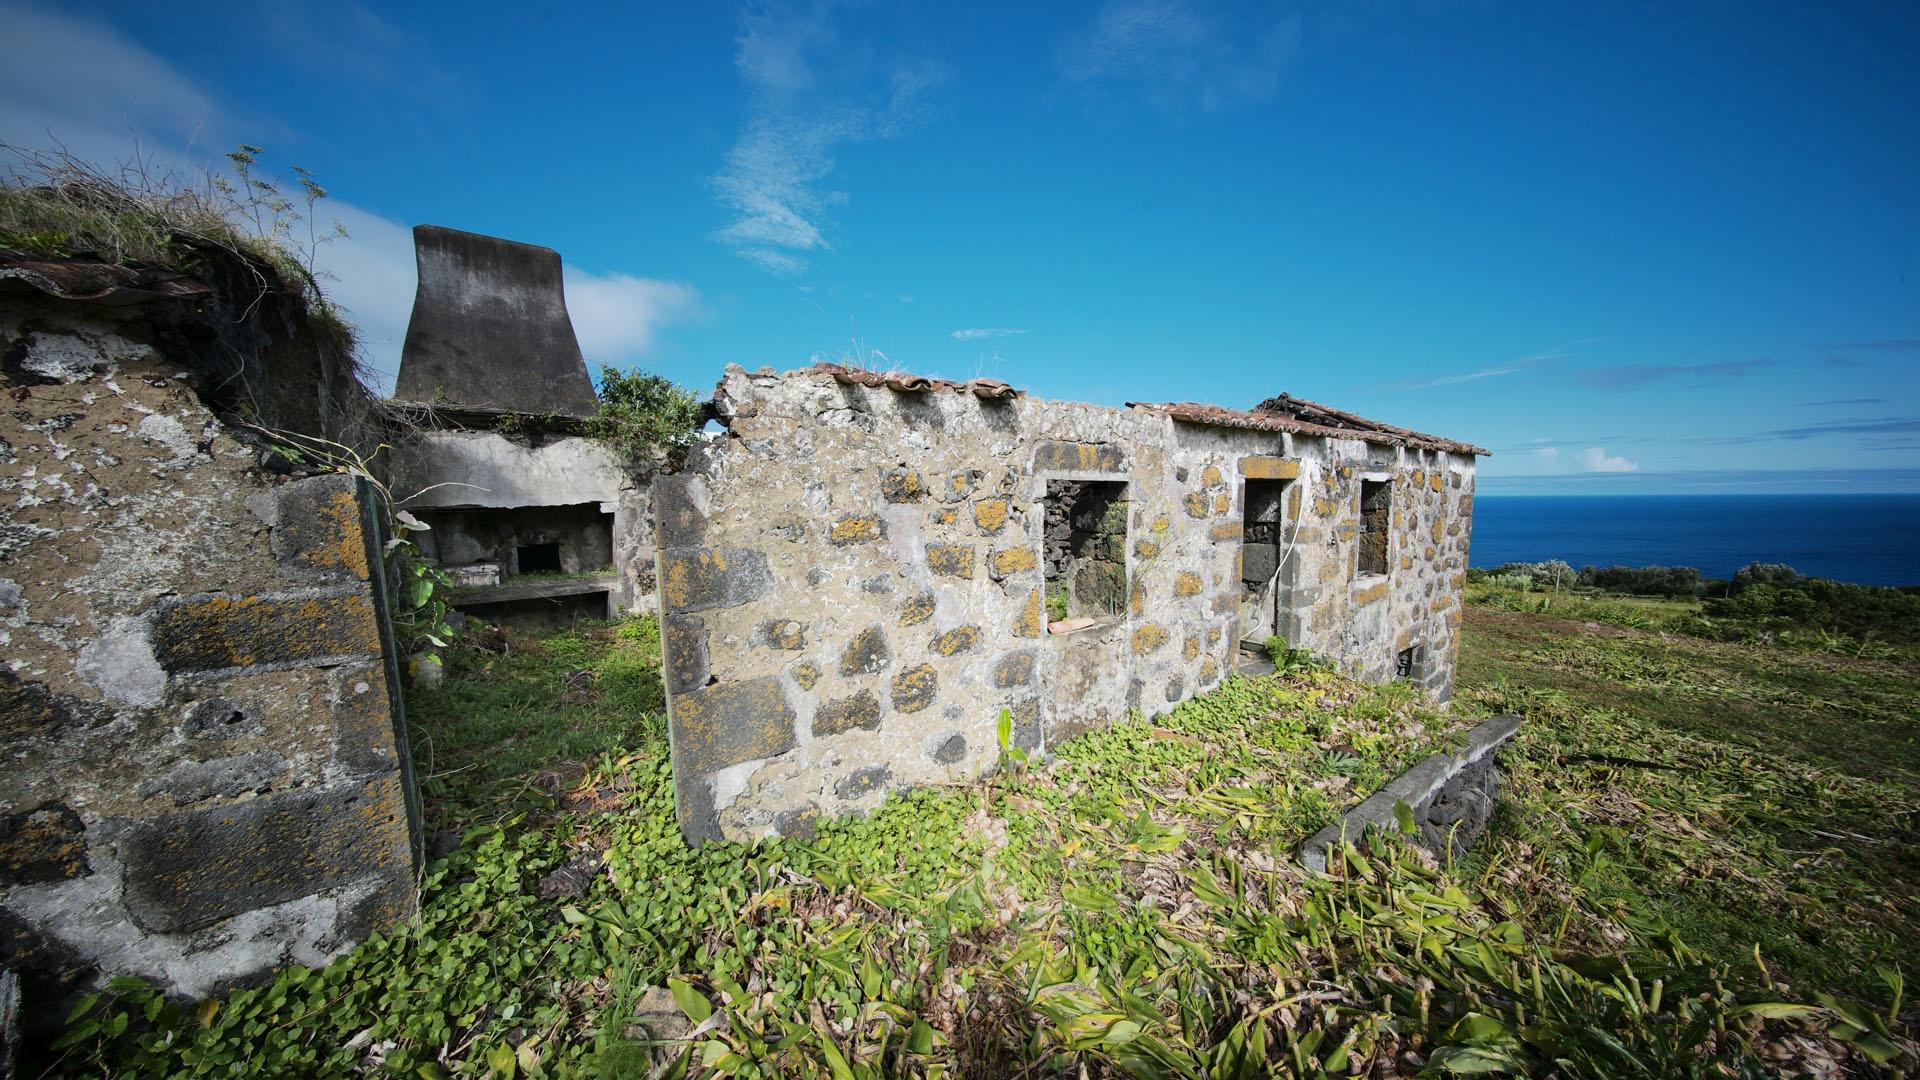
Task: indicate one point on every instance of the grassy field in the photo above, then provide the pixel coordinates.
(1741, 796)
(1132, 907)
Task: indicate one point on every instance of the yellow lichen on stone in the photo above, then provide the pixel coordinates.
(854, 530)
(1437, 482)
(1011, 561)
(1146, 549)
(957, 640)
(952, 560)
(1196, 504)
(1190, 648)
(1371, 594)
(1027, 623)
(1210, 477)
(990, 514)
(1137, 603)
(1187, 583)
(1148, 638)
(1162, 523)
(1221, 502)
(1257, 467)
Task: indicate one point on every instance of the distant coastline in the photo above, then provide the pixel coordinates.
(1866, 539)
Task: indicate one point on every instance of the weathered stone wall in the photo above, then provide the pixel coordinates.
(206, 771)
(476, 470)
(852, 583)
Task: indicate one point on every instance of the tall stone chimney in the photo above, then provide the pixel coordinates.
(490, 328)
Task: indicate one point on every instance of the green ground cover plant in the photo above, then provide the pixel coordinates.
(1130, 908)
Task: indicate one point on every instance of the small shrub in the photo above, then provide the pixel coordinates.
(642, 414)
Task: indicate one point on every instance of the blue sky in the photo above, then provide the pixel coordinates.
(1631, 248)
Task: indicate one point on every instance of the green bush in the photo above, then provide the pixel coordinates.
(642, 414)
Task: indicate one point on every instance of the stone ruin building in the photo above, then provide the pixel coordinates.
(856, 578)
(864, 573)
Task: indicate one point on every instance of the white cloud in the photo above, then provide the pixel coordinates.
(131, 93)
(618, 316)
(1178, 56)
(808, 94)
(1596, 459)
(977, 333)
(87, 83)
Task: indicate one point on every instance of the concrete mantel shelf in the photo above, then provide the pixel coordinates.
(534, 590)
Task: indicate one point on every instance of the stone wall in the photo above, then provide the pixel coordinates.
(852, 583)
(206, 771)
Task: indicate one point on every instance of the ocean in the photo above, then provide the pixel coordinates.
(1866, 539)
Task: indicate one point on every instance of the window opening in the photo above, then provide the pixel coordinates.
(1376, 519)
(1084, 548)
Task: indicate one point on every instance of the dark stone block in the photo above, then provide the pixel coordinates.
(49, 971)
(917, 609)
(960, 485)
(798, 824)
(958, 640)
(197, 781)
(683, 652)
(902, 485)
(207, 632)
(861, 710)
(391, 902)
(190, 870)
(861, 781)
(317, 525)
(678, 521)
(1014, 669)
(1055, 456)
(867, 653)
(1176, 687)
(30, 708)
(1258, 562)
(915, 688)
(701, 579)
(1026, 723)
(490, 328)
(693, 805)
(951, 750)
(46, 843)
(787, 634)
(222, 718)
(951, 560)
(364, 739)
(724, 725)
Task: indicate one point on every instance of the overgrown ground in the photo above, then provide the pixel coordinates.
(1133, 908)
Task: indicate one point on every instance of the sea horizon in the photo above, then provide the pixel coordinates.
(1867, 539)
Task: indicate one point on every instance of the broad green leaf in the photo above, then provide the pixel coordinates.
(691, 1001)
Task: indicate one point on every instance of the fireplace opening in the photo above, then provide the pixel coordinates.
(538, 558)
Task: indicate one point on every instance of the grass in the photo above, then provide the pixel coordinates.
(1132, 908)
(1743, 796)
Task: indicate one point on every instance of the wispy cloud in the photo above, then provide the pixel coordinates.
(1636, 376)
(1882, 345)
(808, 94)
(1596, 459)
(370, 273)
(1512, 367)
(1178, 56)
(977, 333)
(1846, 401)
